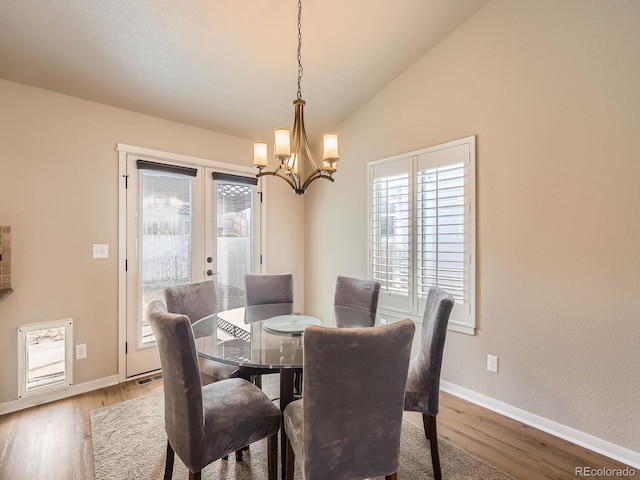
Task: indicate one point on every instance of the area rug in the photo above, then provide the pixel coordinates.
(129, 442)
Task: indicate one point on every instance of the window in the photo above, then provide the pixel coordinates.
(422, 229)
(44, 356)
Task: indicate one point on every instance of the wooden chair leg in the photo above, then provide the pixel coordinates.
(290, 460)
(168, 466)
(430, 426)
(393, 476)
(425, 424)
(195, 475)
(272, 457)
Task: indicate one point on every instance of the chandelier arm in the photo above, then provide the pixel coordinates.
(314, 176)
(310, 156)
(298, 130)
(300, 136)
(275, 173)
(295, 143)
(294, 179)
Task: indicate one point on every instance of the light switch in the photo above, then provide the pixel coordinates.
(81, 351)
(100, 251)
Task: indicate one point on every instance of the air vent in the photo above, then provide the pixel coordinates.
(145, 381)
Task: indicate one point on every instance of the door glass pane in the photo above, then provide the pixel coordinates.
(234, 232)
(165, 246)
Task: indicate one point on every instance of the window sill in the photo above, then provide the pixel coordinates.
(399, 315)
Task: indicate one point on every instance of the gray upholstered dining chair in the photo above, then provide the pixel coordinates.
(206, 423)
(347, 425)
(358, 294)
(422, 392)
(267, 289)
(196, 301)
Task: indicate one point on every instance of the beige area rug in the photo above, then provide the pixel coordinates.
(129, 442)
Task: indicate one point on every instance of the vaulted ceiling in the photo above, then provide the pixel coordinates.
(224, 65)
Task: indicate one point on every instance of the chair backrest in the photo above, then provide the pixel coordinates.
(195, 300)
(183, 410)
(264, 289)
(357, 293)
(353, 385)
(424, 371)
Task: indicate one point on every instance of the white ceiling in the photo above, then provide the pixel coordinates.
(224, 65)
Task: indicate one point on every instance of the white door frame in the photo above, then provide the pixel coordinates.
(123, 151)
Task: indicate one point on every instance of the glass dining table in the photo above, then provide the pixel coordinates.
(264, 339)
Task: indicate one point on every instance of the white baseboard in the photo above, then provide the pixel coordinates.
(608, 449)
(53, 395)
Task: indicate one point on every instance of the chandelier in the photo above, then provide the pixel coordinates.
(290, 150)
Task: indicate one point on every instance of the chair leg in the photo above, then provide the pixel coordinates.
(238, 454)
(272, 457)
(393, 476)
(431, 431)
(425, 424)
(290, 460)
(297, 383)
(168, 466)
(195, 475)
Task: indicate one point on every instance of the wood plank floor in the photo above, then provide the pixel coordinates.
(53, 441)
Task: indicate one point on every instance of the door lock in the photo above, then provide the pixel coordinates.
(211, 273)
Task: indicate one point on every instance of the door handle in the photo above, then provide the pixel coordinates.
(211, 273)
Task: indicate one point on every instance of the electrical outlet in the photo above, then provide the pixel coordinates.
(81, 351)
(100, 250)
(492, 363)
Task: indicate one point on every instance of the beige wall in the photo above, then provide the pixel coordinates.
(285, 227)
(59, 193)
(551, 89)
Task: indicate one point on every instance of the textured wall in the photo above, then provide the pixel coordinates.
(551, 91)
(59, 193)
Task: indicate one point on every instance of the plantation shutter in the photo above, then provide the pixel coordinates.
(443, 226)
(390, 239)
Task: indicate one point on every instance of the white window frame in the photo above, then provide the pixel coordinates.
(397, 305)
(23, 330)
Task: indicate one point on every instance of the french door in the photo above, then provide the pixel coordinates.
(185, 222)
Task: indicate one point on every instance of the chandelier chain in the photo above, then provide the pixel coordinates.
(300, 70)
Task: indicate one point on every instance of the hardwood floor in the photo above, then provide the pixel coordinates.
(513, 447)
(53, 441)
